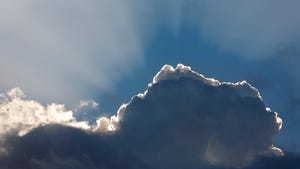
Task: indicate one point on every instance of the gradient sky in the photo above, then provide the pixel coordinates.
(69, 51)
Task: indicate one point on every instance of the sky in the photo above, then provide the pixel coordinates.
(130, 84)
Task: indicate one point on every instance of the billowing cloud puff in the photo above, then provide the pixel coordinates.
(21, 115)
(188, 118)
(183, 120)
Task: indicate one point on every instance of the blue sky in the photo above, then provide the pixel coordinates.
(64, 52)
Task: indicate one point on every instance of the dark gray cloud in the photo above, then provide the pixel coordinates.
(183, 120)
(184, 115)
(58, 147)
(270, 76)
(288, 161)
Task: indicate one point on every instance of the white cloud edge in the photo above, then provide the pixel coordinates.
(168, 72)
(56, 113)
(19, 115)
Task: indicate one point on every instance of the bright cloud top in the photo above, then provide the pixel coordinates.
(182, 119)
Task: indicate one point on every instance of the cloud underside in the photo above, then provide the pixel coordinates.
(183, 120)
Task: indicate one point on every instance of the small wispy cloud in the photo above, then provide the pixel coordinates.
(88, 103)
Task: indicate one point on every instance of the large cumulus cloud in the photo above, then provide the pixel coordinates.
(183, 120)
(188, 118)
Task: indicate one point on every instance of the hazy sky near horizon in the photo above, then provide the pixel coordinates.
(76, 53)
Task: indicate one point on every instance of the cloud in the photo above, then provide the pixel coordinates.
(86, 110)
(188, 118)
(87, 103)
(18, 115)
(288, 161)
(182, 120)
(59, 147)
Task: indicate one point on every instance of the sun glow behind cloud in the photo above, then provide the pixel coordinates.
(77, 47)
